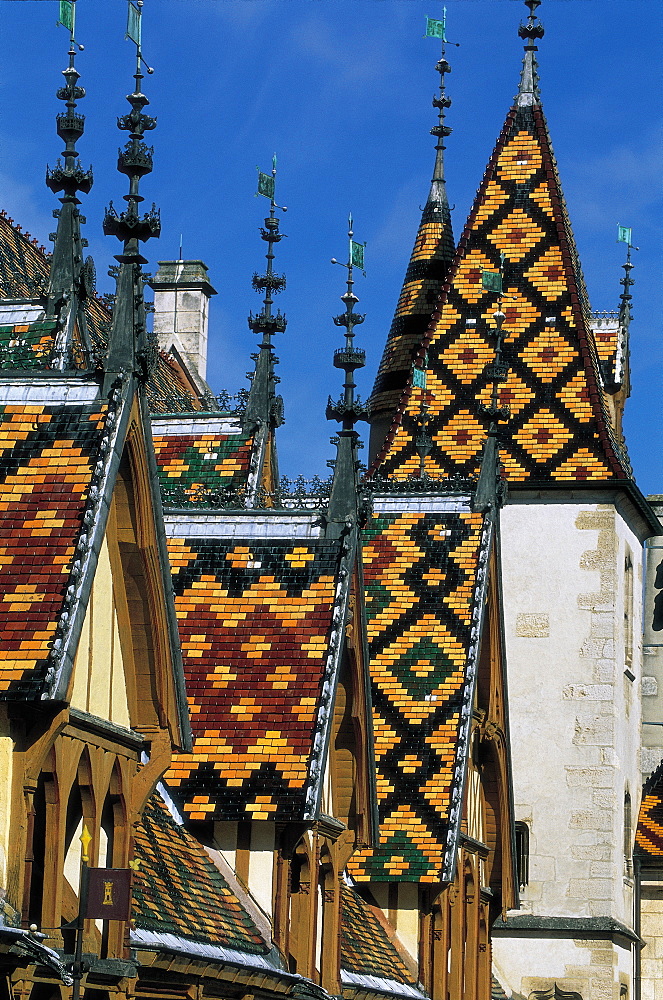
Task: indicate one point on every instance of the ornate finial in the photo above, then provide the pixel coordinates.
(264, 406)
(438, 29)
(85, 839)
(621, 376)
(528, 92)
(349, 408)
(491, 491)
(67, 276)
(128, 339)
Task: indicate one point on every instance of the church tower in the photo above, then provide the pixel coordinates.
(571, 547)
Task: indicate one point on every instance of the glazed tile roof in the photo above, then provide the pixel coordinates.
(429, 264)
(178, 890)
(47, 454)
(365, 948)
(209, 461)
(421, 574)
(559, 429)
(24, 273)
(255, 618)
(649, 832)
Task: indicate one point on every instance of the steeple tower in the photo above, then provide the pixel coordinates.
(429, 264)
(67, 284)
(349, 408)
(128, 352)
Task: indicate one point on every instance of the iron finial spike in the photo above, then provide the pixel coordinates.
(129, 352)
(67, 283)
(349, 408)
(264, 407)
(531, 32)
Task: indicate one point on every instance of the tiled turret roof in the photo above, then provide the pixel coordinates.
(559, 431)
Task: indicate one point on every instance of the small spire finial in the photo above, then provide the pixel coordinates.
(264, 407)
(128, 339)
(490, 492)
(528, 91)
(349, 408)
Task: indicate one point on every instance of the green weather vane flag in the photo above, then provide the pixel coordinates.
(134, 25)
(267, 184)
(436, 28)
(356, 250)
(67, 16)
(624, 234)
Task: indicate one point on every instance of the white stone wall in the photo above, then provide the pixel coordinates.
(574, 717)
(652, 934)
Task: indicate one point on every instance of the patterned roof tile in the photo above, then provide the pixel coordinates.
(47, 454)
(560, 428)
(649, 833)
(255, 618)
(420, 571)
(188, 462)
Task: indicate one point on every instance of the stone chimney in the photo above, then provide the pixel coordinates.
(181, 309)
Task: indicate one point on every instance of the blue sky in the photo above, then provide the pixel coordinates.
(341, 91)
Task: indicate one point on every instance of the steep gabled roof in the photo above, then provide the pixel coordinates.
(425, 565)
(260, 618)
(179, 893)
(559, 431)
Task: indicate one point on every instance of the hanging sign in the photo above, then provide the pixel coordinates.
(109, 894)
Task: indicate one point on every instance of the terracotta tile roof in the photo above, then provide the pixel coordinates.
(560, 430)
(365, 948)
(209, 461)
(47, 454)
(649, 832)
(255, 618)
(178, 890)
(421, 573)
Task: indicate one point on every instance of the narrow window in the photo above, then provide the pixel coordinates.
(522, 853)
(628, 853)
(628, 614)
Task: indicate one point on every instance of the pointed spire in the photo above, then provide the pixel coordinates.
(427, 270)
(490, 493)
(528, 92)
(66, 287)
(349, 408)
(128, 351)
(264, 407)
(438, 203)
